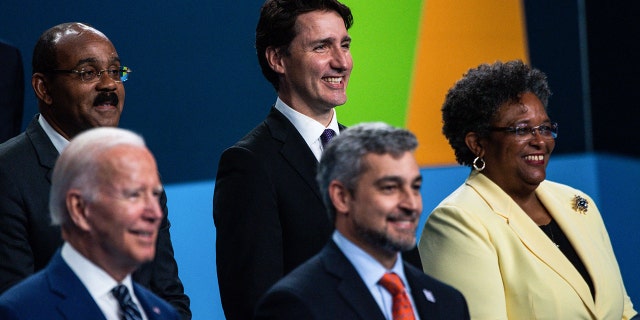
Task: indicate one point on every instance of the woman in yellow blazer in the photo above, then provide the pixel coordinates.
(516, 245)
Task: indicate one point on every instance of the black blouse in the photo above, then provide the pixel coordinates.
(555, 234)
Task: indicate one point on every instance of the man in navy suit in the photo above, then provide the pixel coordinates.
(78, 79)
(11, 91)
(370, 183)
(105, 194)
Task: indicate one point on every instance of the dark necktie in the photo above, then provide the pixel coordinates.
(128, 309)
(326, 136)
(401, 308)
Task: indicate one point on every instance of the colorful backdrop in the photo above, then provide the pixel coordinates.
(197, 88)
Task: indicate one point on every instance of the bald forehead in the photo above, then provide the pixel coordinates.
(75, 31)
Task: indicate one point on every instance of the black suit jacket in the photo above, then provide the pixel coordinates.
(27, 239)
(61, 295)
(268, 213)
(11, 92)
(329, 287)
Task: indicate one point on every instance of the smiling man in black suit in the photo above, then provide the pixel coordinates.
(267, 211)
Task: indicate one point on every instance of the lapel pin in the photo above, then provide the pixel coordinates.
(429, 295)
(580, 204)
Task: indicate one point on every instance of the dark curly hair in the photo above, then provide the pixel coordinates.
(472, 103)
(276, 27)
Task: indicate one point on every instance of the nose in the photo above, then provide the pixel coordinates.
(411, 201)
(341, 59)
(536, 137)
(153, 212)
(105, 82)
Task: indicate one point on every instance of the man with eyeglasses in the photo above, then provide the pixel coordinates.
(78, 81)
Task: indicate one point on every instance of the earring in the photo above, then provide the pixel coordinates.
(475, 164)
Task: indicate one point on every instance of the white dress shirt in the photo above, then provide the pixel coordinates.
(371, 271)
(310, 129)
(98, 282)
(59, 142)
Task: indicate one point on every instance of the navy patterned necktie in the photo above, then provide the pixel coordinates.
(128, 309)
(326, 136)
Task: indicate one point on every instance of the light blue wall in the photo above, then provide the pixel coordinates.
(610, 180)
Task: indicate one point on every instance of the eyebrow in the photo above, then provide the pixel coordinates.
(328, 40)
(397, 179)
(94, 60)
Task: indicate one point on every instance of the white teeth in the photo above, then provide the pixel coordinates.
(534, 158)
(334, 80)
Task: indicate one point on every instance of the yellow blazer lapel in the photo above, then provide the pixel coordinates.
(532, 237)
(563, 214)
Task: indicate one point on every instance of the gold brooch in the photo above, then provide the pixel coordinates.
(580, 204)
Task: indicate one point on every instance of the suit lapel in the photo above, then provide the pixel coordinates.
(45, 151)
(294, 149)
(563, 213)
(351, 287)
(77, 302)
(151, 310)
(419, 294)
(531, 236)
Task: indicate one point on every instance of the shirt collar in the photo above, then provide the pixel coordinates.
(59, 142)
(96, 280)
(369, 269)
(309, 128)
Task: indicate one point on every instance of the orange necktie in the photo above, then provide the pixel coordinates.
(401, 308)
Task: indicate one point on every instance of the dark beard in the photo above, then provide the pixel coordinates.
(381, 240)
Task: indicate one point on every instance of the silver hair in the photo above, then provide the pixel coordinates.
(342, 159)
(78, 166)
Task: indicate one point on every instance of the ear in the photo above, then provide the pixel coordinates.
(474, 144)
(340, 197)
(40, 86)
(77, 207)
(274, 58)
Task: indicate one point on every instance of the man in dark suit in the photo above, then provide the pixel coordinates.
(11, 92)
(78, 81)
(105, 195)
(268, 214)
(370, 183)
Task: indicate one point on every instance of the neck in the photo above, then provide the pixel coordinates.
(323, 115)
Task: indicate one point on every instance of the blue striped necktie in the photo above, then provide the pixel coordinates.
(128, 308)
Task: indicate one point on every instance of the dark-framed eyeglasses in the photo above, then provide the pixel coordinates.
(546, 131)
(89, 74)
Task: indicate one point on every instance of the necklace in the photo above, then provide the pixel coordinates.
(548, 230)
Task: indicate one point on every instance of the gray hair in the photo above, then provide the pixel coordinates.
(342, 159)
(79, 164)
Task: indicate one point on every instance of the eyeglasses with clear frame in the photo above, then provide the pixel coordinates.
(89, 74)
(547, 131)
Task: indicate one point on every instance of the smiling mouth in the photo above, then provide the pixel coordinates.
(534, 158)
(403, 222)
(143, 234)
(333, 80)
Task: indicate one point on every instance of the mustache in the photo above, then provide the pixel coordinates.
(405, 214)
(106, 97)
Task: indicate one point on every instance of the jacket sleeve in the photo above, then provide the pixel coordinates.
(456, 248)
(249, 255)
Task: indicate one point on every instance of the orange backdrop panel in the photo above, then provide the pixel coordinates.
(454, 37)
